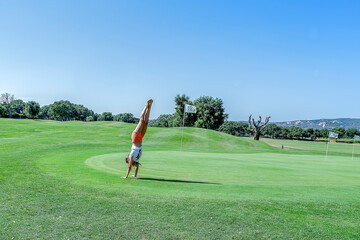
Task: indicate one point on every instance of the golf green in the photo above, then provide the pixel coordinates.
(243, 176)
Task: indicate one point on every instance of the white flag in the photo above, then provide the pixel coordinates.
(333, 135)
(357, 138)
(190, 108)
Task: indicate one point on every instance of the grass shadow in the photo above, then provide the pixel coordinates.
(175, 180)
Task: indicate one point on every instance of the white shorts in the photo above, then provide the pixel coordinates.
(136, 152)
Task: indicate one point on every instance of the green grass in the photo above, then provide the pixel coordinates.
(62, 180)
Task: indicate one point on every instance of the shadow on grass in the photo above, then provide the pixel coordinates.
(175, 180)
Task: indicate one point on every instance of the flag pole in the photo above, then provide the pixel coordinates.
(327, 148)
(190, 109)
(182, 132)
(353, 149)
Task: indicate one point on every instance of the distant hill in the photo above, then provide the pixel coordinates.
(323, 123)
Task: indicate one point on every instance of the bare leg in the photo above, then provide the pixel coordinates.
(144, 118)
(140, 125)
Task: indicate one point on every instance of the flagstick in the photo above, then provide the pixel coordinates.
(353, 149)
(182, 133)
(327, 148)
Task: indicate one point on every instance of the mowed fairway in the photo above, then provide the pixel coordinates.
(62, 180)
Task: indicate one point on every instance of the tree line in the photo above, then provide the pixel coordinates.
(59, 110)
(296, 133)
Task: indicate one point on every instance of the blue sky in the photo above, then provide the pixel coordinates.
(288, 59)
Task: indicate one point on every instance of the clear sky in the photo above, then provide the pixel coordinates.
(288, 59)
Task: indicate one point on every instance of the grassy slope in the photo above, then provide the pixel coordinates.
(48, 191)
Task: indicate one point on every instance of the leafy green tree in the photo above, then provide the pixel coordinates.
(339, 130)
(128, 118)
(65, 111)
(89, 118)
(312, 133)
(125, 117)
(97, 117)
(210, 112)
(7, 99)
(317, 133)
(296, 132)
(32, 109)
(235, 128)
(308, 132)
(118, 117)
(324, 133)
(180, 101)
(285, 133)
(18, 106)
(61, 111)
(80, 112)
(351, 132)
(106, 116)
(164, 120)
(272, 130)
(3, 111)
(43, 114)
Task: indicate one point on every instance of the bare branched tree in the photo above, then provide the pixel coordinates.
(7, 99)
(256, 128)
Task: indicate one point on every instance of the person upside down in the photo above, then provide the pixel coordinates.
(132, 159)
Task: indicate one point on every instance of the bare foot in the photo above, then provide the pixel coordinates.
(149, 102)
